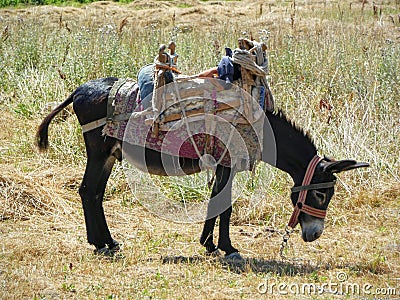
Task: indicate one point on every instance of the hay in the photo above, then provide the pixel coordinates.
(22, 196)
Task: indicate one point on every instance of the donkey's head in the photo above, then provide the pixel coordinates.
(311, 199)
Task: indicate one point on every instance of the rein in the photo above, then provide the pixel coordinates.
(306, 186)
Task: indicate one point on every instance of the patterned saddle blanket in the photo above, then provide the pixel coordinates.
(230, 143)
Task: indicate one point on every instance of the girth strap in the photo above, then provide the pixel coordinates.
(100, 122)
(112, 116)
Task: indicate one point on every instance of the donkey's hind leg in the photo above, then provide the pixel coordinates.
(100, 160)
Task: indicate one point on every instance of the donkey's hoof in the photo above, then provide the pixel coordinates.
(214, 253)
(235, 256)
(114, 249)
(114, 246)
(103, 252)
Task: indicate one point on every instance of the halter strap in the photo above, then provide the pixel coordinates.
(314, 186)
(305, 186)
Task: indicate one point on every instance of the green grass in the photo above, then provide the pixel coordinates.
(27, 3)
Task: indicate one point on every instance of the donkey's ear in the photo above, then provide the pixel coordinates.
(357, 165)
(343, 165)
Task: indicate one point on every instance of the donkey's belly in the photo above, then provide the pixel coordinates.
(156, 163)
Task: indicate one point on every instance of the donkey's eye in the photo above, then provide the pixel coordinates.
(321, 197)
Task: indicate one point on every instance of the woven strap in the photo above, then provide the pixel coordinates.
(111, 97)
(100, 122)
(300, 205)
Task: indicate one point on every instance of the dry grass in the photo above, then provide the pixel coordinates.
(44, 253)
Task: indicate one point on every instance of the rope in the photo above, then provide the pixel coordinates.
(259, 67)
(185, 119)
(208, 164)
(245, 59)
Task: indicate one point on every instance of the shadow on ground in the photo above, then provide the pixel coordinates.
(255, 265)
(289, 267)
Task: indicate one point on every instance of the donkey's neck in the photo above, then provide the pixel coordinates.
(286, 147)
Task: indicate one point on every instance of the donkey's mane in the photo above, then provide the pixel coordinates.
(281, 115)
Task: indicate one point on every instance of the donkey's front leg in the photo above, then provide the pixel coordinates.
(207, 235)
(224, 241)
(220, 204)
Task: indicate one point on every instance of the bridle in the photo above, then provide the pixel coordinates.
(300, 206)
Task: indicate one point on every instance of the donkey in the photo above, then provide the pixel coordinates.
(313, 176)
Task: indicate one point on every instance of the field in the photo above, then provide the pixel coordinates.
(342, 54)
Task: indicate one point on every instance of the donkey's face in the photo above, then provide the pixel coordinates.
(319, 198)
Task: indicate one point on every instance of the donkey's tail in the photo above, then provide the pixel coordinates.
(42, 134)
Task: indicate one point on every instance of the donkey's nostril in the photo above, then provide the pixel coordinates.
(317, 234)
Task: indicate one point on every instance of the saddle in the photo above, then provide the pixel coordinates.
(217, 112)
(238, 85)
